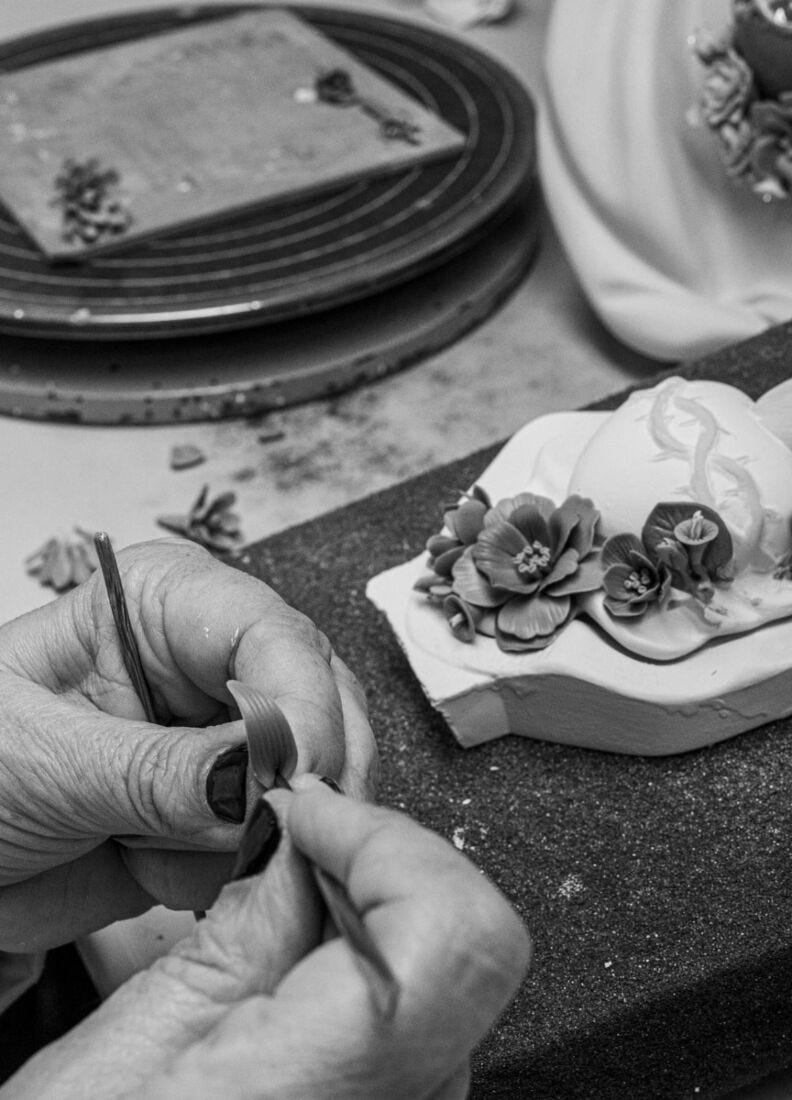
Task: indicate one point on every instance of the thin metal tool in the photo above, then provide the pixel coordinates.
(134, 666)
(118, 605)
(273, 759)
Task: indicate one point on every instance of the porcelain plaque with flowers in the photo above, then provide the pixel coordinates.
(616, 580)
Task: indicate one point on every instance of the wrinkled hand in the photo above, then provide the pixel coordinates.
(254, 1006)
(79, 764)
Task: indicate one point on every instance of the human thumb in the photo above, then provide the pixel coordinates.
(120, 777)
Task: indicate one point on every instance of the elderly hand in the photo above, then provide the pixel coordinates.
(253, 1005)
(80, 765)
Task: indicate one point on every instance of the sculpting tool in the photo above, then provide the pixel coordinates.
(118, 605)
(134, 666)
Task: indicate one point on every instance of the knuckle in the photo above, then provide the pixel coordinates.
(350, 681)
(296, 625)
(310, 634)
(207, 964)
(152, 781)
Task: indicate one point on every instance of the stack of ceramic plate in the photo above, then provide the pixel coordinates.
(272, 306)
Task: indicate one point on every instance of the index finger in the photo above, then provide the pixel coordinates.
(235, 627)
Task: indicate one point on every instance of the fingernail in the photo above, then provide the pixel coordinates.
(331, 783)
(226, 784)
(259, 841)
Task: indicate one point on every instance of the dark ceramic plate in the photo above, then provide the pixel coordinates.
(302, 257)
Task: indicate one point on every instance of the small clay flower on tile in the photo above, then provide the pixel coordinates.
(336, 87)
(92, 205)
(399, 129)
(63, 563)
(211, 523)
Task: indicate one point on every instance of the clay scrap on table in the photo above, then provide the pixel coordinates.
(211, 522)
(195, 123)
(184, 456)
(64, 562)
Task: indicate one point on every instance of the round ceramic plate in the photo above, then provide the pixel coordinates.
(295, 258)
(253, 370)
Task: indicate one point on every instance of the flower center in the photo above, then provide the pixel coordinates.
(696, 531)
(638, 582)
(532, 559)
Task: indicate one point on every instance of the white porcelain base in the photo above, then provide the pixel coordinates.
(584, 689)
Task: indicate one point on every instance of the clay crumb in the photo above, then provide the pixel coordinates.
(183, 456)
(572, 888)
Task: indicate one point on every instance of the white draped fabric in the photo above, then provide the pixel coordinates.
(674, 256)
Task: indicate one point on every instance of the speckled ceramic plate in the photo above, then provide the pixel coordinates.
(297, 258)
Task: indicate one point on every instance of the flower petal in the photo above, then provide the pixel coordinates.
(461, 618)
(623, 609)
(527, 617)
(472, 586)
(614, 578)
(565, 566)
(509, 644)
(444, 563)
(504, 508)
(434, 588)
(487, 624)
(532, 524)
(426, 582)
(438, 544)
(587, 578)
(467, 520)
(507, 579)
(663, 519)
(494, 553)
(500, 540)
(577, 523)
(620, 549)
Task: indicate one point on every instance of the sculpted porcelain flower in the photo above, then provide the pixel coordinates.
(728, 85)
(771, 155)
(529, 561)
(463, 520)
(752, 118)
(693, 542)
(631, 581)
